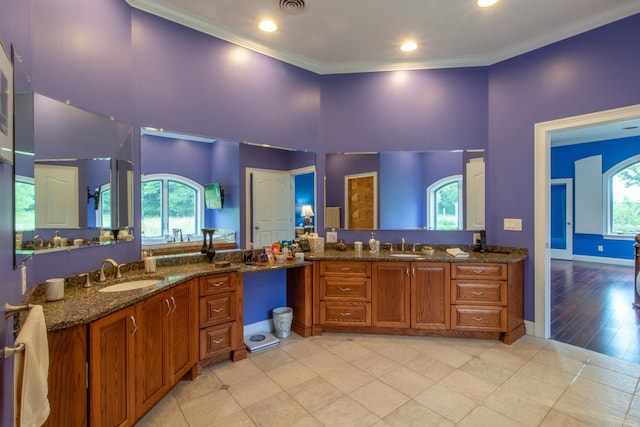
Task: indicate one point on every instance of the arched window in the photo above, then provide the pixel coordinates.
(622, 198)
(444, 204)
(170, 202)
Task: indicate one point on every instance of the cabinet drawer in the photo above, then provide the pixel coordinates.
(217, 309)
(345, 313)
(463, 270)
(345, 268)
(217, 283)
(338, 288)
(216, 340)
(479, 292)
(472, 318)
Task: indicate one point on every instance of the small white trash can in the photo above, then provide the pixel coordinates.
(282, 318)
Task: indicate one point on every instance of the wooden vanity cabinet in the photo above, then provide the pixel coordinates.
(430, 295)
(391, 300)
(137, 354)
(220, 318)
(344, 293)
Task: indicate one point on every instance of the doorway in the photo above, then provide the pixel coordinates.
(542, 189)
(561, 218)
(270, 194)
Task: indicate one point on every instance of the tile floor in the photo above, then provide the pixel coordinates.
(371, 380)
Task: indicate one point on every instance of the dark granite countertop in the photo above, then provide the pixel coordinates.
(83, 305)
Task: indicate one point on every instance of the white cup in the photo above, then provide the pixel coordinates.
(55, 289)
(357, 246)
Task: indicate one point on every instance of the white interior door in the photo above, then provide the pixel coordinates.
(56, 196)
(272, 206)
(475, 191)
(561, 226)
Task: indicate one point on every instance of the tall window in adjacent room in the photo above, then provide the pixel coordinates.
(622, 198)
(444, 204)
(170, 202)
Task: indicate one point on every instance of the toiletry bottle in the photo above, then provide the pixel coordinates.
(372, 243)
(57, 240)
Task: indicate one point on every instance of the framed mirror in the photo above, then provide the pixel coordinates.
(405, 190)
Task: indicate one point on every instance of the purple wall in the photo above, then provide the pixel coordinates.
(111, 59)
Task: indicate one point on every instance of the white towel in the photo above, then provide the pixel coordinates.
(31, 371)
(457, 252)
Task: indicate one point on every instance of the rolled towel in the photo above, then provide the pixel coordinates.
(457, 252)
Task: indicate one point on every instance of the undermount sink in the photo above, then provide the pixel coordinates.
(405, 255)
(131, 285)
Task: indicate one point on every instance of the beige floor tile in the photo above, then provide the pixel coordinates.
(446, 402)
(308, 421)
(553, 377)
(238, 419)
(611, 378)
(210, 408)
(468, 385)
(375, 364)
(449, 355)
(505, 358)
(349, 350)
(396, 352)
(600, 393)
(487, 370)
(615, 364)
(588, 411)
(634, 408)
(482, 416)
(205, 383)
(302, 349)
(558, 419)
(379, 398)
(414, 414)
(253, 390)
(233, 372)
(558, 361)
(631, 422)
(345, 412)
(534, 389)
(271, 358)
(407, 381)
(315, 393)
(322, 361)
(430, 367)
(279, 410)
(347, 378)
(517, 406)
(166, 413)
(291, 374)
(568, 350)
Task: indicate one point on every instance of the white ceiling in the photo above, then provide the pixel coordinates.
(350, 36)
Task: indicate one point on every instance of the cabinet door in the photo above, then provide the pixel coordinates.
(184, 329)
(390, 295)
(430, 296)
(152, 344)
(111, 369)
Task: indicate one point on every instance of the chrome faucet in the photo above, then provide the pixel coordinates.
(103, 278)
(402, 246)
(36, 237)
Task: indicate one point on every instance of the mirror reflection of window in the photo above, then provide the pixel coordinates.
(103, 212)
(444, 204)
(25, 204)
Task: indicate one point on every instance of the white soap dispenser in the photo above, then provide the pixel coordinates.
(57, 240)
(372, 243)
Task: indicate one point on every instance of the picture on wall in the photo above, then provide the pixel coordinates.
(6, 107)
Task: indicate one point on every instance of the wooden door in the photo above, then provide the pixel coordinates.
(184, 329)
(111, 369)
(272, 207)
(430, 295)
(152, 376)
(361, 202)
(390, 297)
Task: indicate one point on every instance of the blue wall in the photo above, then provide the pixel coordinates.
(111, 59)
(612, 152)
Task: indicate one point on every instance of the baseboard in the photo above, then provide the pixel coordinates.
(262, 326)
(529, 327)
(603, 260)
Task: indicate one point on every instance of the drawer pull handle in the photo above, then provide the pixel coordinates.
(478, 293)
(217, 310)
(168, 307)
(478, 319)
(217, 341)
(135, 326)
(218, 284)
(345, 289)
(477, 271)
(345, 314)
(175, 306)
(345, 269)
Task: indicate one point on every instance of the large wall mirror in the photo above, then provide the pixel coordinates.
(177, 166)
(76, 178)
(405, 190)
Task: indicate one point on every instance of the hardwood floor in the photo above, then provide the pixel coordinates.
(591, 307)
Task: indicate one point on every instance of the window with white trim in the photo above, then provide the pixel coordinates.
(444, 204)
(170, 202)
(622, 198)
(25, 203)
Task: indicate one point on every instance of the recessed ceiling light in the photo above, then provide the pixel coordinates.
(408, 46)
(486, 3)
(268, 26)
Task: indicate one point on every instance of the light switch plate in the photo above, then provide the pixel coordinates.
(513, 224)
(332, 236)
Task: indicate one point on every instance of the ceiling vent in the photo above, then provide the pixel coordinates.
(291, 7)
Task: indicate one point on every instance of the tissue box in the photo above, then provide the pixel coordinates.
(316, 244)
